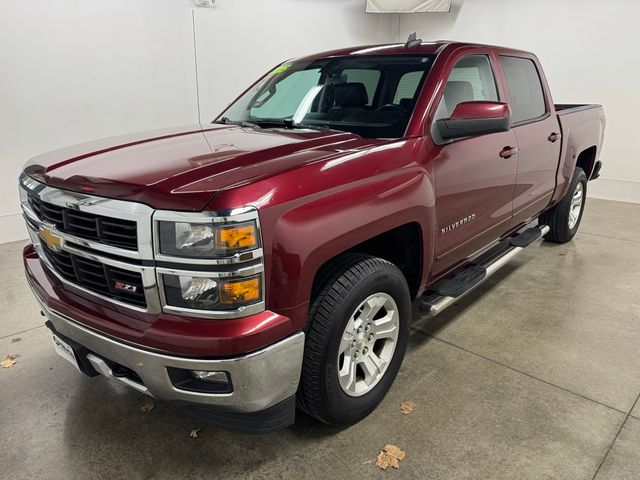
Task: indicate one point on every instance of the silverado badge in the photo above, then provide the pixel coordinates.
(458, 224)
(49, 238)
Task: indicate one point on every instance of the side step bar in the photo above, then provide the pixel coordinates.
(448, 291)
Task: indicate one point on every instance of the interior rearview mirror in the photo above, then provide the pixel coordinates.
(475, 118)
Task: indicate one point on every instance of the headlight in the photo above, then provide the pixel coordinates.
(204, 293)
(206, 240)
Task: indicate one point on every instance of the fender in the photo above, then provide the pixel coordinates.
(310, 235)
(313, 213)
(578, 136)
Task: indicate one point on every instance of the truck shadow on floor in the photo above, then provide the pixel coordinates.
(107, 435)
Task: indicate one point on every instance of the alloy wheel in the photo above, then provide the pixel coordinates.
(367, 344)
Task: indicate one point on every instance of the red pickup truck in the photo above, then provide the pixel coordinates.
(269, 259)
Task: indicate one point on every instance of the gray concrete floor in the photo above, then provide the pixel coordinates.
(536, 375)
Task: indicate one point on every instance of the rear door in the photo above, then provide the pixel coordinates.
(537, 132)
(474, 184)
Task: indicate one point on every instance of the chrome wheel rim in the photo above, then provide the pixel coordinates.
(576, 205)
(367, 344)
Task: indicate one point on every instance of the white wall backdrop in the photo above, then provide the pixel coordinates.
(588, 49)
(238, 41)
(76, 70)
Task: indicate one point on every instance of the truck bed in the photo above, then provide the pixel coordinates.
(564, 108)
(582, 128)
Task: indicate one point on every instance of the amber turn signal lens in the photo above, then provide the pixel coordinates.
(238, 237)
(239, 292)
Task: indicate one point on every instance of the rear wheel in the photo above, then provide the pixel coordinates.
(564, 219)
(356, 340)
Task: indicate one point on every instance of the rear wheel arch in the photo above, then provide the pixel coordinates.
(564, 218)
(587, 160)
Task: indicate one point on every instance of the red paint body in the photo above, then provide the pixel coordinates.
(472, 110)
(320, 194)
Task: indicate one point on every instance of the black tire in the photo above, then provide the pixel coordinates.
(557, 218)
(353, 278)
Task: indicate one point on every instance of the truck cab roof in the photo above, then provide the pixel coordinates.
(426, 48)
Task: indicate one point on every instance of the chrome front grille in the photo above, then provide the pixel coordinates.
(103, 245)
(117, 232)
(104, 248)
(119, 284)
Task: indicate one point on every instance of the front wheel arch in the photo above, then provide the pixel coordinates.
(407, 254)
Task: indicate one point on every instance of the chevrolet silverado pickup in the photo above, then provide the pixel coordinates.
(268, 261)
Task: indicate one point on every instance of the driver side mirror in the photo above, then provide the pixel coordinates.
(475, 118)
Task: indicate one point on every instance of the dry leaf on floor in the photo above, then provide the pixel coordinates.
(16, 340)
(194, 433)
(147, 407)
(407, 407)
(9, 362)
(390, 456)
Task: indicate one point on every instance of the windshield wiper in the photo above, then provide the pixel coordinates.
(289, 123)
(241, 123)
(319, 128)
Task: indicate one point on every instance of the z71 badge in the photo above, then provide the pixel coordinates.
(126, 287)
(458, 224)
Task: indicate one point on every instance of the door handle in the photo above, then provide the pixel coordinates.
(507, 152)
(553, 137)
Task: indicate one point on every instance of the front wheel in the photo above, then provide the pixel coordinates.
(356, 340)
(564, 219)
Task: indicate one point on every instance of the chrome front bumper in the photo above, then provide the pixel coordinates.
(260, 379)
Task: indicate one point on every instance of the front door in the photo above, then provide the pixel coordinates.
(474, 183)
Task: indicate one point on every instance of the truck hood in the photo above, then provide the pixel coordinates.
(184, 167)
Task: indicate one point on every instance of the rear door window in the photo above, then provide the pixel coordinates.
(525, 88)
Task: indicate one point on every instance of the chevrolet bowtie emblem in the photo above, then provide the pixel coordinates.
(48, 237)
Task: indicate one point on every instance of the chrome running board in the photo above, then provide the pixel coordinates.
(449, 291)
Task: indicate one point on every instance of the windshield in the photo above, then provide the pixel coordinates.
(371, 96)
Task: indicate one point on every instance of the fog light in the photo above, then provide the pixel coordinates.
(206, 376)
(200, 381)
